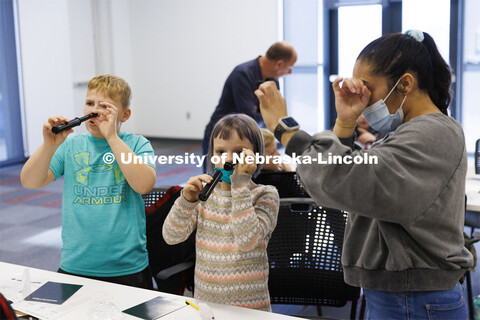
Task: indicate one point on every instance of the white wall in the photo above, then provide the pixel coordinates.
(100, 37)
(176, 55)
(83, 53)
(182, 52)
(121, 51)
(46, 64)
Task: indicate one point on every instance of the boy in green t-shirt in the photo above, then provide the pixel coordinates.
(103, 217)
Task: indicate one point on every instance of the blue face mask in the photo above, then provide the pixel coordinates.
(380, 119)
(225, 174)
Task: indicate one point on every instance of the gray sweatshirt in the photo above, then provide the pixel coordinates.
(406, 213)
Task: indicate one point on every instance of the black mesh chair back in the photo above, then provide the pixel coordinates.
(304, 255)
(154, 195)
(477, 157)
(172, 266)
(287, 183)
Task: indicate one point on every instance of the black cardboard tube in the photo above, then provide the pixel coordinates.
(72, 123)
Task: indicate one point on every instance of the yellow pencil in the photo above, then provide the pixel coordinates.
(189, 303)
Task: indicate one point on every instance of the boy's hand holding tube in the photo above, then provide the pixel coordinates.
(54, 140)
(35, 173)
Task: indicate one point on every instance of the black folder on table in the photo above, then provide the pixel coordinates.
(155, 308)
(53, 292)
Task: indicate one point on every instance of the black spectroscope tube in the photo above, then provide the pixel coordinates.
(72, 123)
(217, 175)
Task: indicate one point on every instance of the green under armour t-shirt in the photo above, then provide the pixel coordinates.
(103, 218)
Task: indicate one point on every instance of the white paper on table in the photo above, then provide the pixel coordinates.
(18, 288)
(50, 311)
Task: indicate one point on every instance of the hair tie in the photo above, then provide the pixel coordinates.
(415, 34)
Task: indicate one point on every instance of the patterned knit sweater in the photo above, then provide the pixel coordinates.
(233, 229)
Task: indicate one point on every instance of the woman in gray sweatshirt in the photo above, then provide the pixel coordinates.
(404, 237)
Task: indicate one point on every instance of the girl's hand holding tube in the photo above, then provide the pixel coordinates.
(194, 186)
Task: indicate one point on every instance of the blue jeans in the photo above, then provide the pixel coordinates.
(413, 305)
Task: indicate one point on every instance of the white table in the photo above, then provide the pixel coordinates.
(122, 297)
(472, 190)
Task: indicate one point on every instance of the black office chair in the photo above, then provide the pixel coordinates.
(172, 266)
(304, 256)
(154, 195)
(287, 183)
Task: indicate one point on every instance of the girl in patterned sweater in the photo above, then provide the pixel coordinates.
(233, 225)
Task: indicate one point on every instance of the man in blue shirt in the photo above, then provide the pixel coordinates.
(238, 92)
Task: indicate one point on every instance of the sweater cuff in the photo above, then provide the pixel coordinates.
(349, 142)
(241, 180)
(187, 205)
(299, 143)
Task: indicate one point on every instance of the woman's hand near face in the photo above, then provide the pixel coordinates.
(272, 105)
(350, 99)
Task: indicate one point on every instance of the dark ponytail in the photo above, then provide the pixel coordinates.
(392, 55)
(439, 88)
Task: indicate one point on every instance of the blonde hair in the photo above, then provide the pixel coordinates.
(112, 86)
(268, 138)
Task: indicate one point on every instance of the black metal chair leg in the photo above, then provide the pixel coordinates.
(362, 308)
(319, 310)
(353, 311)
(469, 294)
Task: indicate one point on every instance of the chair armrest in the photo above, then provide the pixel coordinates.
(475, 238)
(170, 271)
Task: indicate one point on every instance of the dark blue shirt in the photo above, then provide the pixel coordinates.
(238, 95)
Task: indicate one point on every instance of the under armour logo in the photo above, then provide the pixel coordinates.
(83, 160)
